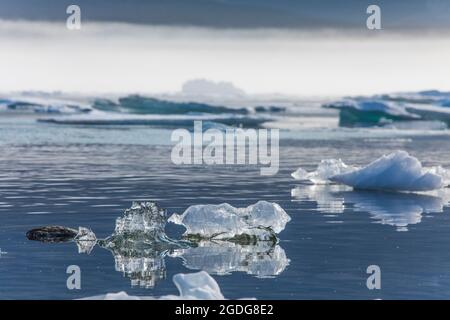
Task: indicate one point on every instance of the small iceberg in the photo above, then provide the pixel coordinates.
(397, 171)
(192, 286)
(258, 222)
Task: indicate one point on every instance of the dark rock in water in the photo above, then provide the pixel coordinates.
(52, 234)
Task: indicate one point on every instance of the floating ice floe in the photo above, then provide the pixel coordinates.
(381, 110)
(193, 286)
(260, 221)
(397, 171)
(396, 209)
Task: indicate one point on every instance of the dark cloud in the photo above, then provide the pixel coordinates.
(239, 13)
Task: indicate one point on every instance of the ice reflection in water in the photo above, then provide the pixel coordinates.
(140, 245)
(388, 208)
(263, 259)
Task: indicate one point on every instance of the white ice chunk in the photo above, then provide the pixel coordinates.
(192, 286)
(225, 221)
(397, 171)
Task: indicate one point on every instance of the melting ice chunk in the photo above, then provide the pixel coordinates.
(260, 221)
(141, 217)
(326, 169)
(192, 286)
(85, 239)
(397, 171)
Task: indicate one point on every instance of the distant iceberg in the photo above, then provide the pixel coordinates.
(384, 109)
(204, 87)
(27, 105)
(261, 221)
(192, 286)
(137, 104)
(397, 171)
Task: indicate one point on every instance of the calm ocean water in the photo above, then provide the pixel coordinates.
(87, 176)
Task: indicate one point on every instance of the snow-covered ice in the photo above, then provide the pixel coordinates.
(397, 171)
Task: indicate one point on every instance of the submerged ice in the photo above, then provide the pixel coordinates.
(260, 221)
(397, 171)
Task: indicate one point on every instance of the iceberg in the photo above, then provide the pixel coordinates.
(208, 88)
(397, 171)
(27, 105)
(260, 221)
(137, 104)
(193, 286)
(379, 110)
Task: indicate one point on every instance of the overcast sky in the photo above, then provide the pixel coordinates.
(283, 46)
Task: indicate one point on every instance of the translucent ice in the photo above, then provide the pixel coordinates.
(260, 221)
(141, 217)
(85, 239)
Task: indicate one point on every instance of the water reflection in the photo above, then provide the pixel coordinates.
(262, 259)
(389, 208)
